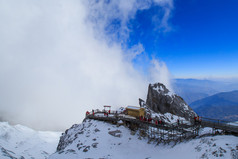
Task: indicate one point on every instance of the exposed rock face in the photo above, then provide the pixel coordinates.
(165, 118)
(161, 100)
(67, 139)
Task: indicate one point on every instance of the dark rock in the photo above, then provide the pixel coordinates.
(234, 154)
(94, 145)
(161, 100)
(96, 130)
(71, 150)
(86, 149)
(66, 138)
(8, 153)
(116, 133)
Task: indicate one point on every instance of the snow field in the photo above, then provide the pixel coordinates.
(20, 141)
(103, 140)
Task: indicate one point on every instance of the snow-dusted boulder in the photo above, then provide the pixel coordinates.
(161, 100)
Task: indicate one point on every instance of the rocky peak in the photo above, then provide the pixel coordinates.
(161, 100)
(159, 87)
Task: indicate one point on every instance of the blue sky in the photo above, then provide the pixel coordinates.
(201, 40)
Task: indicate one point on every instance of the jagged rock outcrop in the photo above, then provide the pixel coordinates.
(161, 100)
(165, 118)
(67, 139)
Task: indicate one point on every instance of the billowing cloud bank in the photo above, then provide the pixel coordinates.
(57, 61)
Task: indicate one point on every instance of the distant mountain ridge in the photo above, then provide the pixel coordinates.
(221, 106)
(194, 89)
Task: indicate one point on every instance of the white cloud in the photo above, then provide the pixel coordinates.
(55, 64)
(159, 73)
(102, 13)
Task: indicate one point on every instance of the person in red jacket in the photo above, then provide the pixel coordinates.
(156, 122)
(160, 122)
(195, 120)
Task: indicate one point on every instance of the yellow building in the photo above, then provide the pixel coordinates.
(135, 111)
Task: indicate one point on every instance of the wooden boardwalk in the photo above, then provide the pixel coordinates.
(205, 122)
(163, 132)
(140, 122)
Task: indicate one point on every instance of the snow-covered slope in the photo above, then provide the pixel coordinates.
(96, 139)
(21, 142)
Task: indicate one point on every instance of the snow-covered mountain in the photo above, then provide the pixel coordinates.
(193, 89)
(20, 142)
(175, 136)
(97, 139)
(221, 105)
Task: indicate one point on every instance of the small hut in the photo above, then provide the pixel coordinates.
(135, 111)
